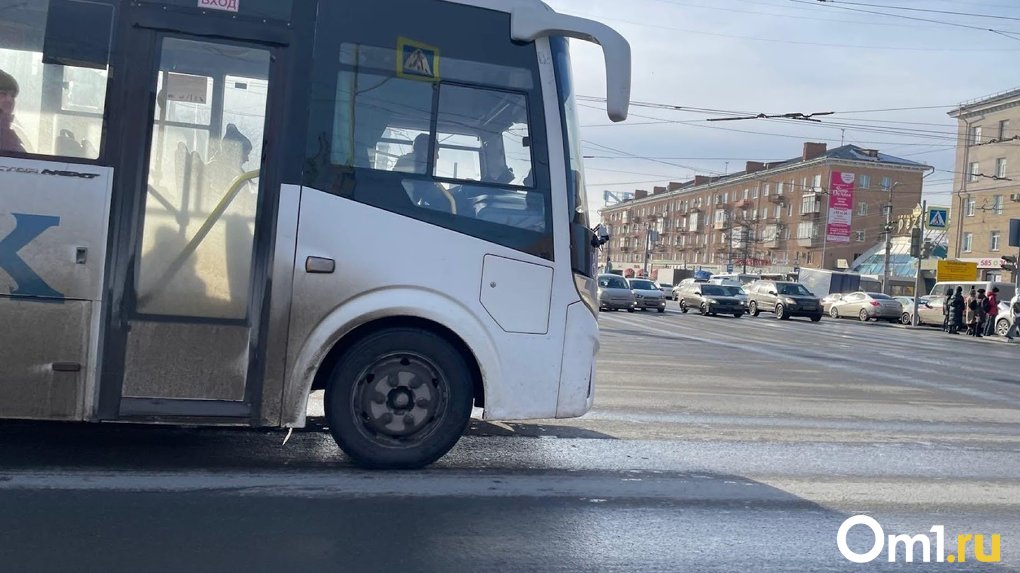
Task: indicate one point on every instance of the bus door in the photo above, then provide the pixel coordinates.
(182, 341)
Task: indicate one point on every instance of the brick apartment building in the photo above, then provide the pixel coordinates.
(771, 217)
(987, 182)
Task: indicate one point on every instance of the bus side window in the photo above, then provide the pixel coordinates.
(55, 83)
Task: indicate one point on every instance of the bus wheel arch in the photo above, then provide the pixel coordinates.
(348, 340)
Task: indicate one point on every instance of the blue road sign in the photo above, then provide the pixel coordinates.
(729, 268)
(938, 218)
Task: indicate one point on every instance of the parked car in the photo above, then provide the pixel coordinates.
(712, 299)
(786, 299)
(647, 295)
(867, 306)
(615, 293)
(829, 300)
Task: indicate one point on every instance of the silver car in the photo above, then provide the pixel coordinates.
(867, 306)
(647, 295)
(929, 311)
(615, 293)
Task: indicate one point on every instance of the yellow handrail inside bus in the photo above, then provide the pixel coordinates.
(203, 232)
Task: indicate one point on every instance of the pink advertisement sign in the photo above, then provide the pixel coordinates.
(841, 207)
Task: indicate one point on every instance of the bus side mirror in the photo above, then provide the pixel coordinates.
(529, 24)
(600, 236)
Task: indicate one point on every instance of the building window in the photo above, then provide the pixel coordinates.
(809, 205)
(971, 207)
(789, 210)
(968, 242)
(997, 204)
(754, 193)
(972, 172)
(864, 181)
(779, 188)
(747, 193)
(1000, 167)
(817, 183)
(859, 236)
(766, 190)
(807, 230)
(779, 211)
(862, 209)
(995, 240)
(886, 183)
(764, 212)
(975, 135)
(1003, 129)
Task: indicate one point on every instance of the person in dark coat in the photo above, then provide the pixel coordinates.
(946, 310)
(956, 311)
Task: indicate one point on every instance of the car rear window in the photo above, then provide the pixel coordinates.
(612, 282)
(643, 285)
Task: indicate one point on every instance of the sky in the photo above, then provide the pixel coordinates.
(917, 58)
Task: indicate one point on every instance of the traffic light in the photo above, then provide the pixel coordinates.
(1008, 263)
(916, 243)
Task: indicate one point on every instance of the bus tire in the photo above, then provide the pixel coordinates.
(399, 398)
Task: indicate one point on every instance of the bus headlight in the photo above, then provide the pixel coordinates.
(587, 287)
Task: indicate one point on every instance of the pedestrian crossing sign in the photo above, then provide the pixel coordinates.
(938, 218)
(417, 61)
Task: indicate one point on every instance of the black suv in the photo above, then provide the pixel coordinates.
(786, 299)
(711, 299)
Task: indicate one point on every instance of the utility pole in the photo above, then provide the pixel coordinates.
(648, 241)
(888, 240)
(917, 278)
(729, 241)
(609, 249)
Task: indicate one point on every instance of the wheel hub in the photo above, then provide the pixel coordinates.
(398, 398)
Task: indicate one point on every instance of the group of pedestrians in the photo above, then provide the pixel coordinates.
(977, 313)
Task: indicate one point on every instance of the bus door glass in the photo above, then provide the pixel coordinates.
(190, 325)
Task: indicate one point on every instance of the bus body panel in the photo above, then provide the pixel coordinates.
(390, 266)
(577, 379)
(53, 234)
(280, 300)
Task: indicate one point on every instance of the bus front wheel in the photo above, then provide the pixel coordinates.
(399, 399)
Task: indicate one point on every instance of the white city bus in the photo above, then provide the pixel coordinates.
(211, 208)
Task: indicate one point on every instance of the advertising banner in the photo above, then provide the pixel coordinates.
(841, 207)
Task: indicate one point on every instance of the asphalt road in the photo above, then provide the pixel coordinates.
(715, 445)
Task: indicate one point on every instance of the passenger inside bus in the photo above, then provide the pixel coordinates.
(9, 139)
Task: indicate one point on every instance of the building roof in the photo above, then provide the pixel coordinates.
(854, 153)
(845, 153)
(968, 107)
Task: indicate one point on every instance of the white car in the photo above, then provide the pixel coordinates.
(1005, 318)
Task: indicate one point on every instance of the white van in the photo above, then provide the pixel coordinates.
(1006, 290)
